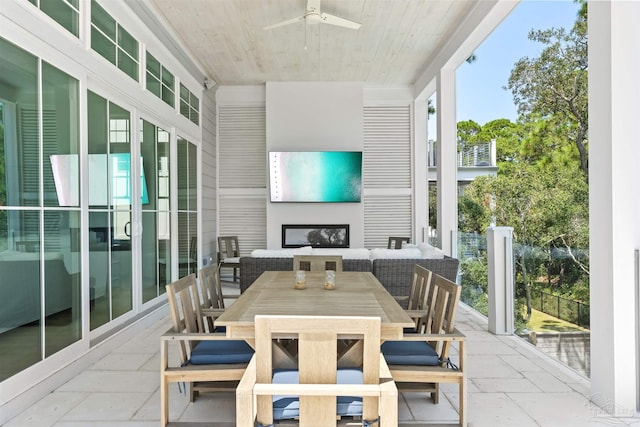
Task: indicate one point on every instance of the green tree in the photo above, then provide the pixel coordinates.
(552, 89)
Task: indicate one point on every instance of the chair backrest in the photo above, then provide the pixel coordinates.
(210, 287)
(317, 262)
(420, 292)
(317, 350)
(445, 295)
(186, 313)
(228, 247)
(396, 242)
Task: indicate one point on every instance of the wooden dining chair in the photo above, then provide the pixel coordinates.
(396, 242)
(420, 361)
(207, 361)
(229, 254)
(318, 391)
(317, 262)
(212, 298)
(418, 300)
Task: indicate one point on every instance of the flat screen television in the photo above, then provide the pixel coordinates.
(315, 176)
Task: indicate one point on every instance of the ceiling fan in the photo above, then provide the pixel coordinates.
(312, 15)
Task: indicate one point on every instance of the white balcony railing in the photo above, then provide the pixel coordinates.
(477, 155)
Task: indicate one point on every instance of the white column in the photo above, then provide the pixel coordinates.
(500, 272)
(614, 202)
(447, 166)
(420, 178)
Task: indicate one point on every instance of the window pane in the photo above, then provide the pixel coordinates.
(19, 128)
(127, 43)
(167, 78)
(194, 116)
(153, 85)
(62, 303)
(103, 46)
(152, 265)
(101, 19)
(184, 109)
(153, 66)
(184, 92)
(62, 13)
(99, 289)
(20, 327)
(60, 138)
(168, 96)
(193, 177)
(149, 163)
(183, 174)
(128, 65)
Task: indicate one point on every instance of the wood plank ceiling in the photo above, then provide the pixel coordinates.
(396, 42)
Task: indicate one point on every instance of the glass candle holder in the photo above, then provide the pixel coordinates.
(301, 280)
(329, 279)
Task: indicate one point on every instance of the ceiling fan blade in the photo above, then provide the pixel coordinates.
(340, 22)
(283, 23)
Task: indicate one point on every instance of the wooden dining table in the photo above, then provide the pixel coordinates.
(355, 294)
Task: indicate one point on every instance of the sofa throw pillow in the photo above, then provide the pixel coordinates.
(430, 252)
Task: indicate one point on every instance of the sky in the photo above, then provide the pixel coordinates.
(479, 92)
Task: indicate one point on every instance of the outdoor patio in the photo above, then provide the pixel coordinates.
(510, 383)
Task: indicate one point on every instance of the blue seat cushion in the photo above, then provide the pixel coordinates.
(409, 353)
(288, 407)
(221, 352)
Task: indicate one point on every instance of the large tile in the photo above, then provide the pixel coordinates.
(107, 424)
(489, 366)
(113, 381)
(496, 410)
(150, 410)
(564, 410)
(421, 407)
(48, 411)
(218, 407)
(505, 385)
(521, 363)
(123, 362)
(547, 382)
(118, 406)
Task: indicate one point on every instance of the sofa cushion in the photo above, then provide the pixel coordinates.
(346, 253)
(383, 253)
(409, 353)
(288, 407)
(280, 253)
(221, 352)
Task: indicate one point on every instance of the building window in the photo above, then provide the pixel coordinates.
(160, 81)
(64, 12)
(39, 210)
(189, 105)
(113, 42)
(187, 207)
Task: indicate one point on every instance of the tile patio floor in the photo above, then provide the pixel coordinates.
(510, 383)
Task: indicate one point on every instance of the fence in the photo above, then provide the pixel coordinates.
(571, 311)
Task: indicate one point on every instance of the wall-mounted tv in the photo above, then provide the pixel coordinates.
(315, 176)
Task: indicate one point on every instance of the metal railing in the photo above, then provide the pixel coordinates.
(476, 155)
(575, 312)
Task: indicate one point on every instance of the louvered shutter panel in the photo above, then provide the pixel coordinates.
(386, 216)
(245, 217)
(242, 146)
(242, 149)
(387, 170)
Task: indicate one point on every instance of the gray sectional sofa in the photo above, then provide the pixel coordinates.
(395, 274)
